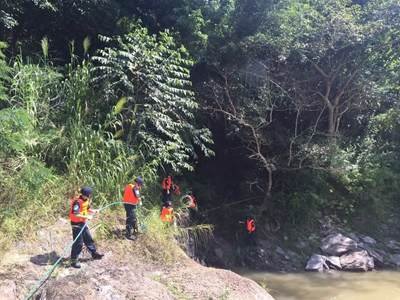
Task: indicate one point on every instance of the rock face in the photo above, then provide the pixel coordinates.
(344, 253)
(357, 261)
(394, 245)
(395, 259)
(368, 240)
(320, 263)
(129, 270)
(191, 281)
(377, 255)
(257, 259)
(337, 244)
(333, 262)
(317, 263)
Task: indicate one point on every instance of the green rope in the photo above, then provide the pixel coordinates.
(40, 283)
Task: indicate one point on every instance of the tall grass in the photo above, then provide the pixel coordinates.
(56, 135)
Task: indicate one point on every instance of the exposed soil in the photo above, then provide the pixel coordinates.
(128, 270)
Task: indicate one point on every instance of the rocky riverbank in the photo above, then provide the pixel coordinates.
(129, 270)
(331, 247)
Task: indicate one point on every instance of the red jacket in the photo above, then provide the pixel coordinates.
(167, 183)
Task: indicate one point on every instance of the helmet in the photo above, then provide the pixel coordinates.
(139, 180)
(86, 191)
(168, 204)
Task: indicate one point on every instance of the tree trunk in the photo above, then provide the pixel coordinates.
(332, 130)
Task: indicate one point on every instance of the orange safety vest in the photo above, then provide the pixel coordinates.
(250, 225)
(167, 214)
(83, 209)
(166, 183)
(129, 194)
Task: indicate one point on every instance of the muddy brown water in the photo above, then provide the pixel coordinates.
(377, 285)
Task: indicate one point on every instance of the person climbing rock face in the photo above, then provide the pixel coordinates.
(80, 212)
(250, 225)
(131, 200)
(251, 230)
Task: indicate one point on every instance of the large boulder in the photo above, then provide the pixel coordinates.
(377, 254)
(337, 244)
(333, 262)
(357, 261)
(316, 263)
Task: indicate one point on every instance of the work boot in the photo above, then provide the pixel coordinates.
(128, 234)
(135, 228)
(75, 264)
(131, 238)
(96, 255)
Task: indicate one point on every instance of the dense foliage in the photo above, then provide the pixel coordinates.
(301, 98)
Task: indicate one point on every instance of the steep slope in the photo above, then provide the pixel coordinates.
(129, 270)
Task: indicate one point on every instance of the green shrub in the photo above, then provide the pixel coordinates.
(16, 131)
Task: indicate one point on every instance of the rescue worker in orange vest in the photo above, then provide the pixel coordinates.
(131, 200)
(251, 230)
(169, 188)
(166, 185)
(79, 213)
(167, 213)
(250, 225)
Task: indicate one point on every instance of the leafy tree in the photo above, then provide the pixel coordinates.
(4, 73)
(156, 111)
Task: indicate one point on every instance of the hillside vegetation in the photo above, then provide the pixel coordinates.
(292, 104)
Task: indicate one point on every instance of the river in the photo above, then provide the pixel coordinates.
(379, 285)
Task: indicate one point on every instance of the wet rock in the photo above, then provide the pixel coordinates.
(394, 245)
(353, 236)
(337, 244)
(282, 252)
(368, 240)
(257, 259)
(219, 253)
(8, 290)
(357, 261)
(301, 245)
(333, 262)
(395, 259)
(293, 255)
(377, 255)
(316, 263)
